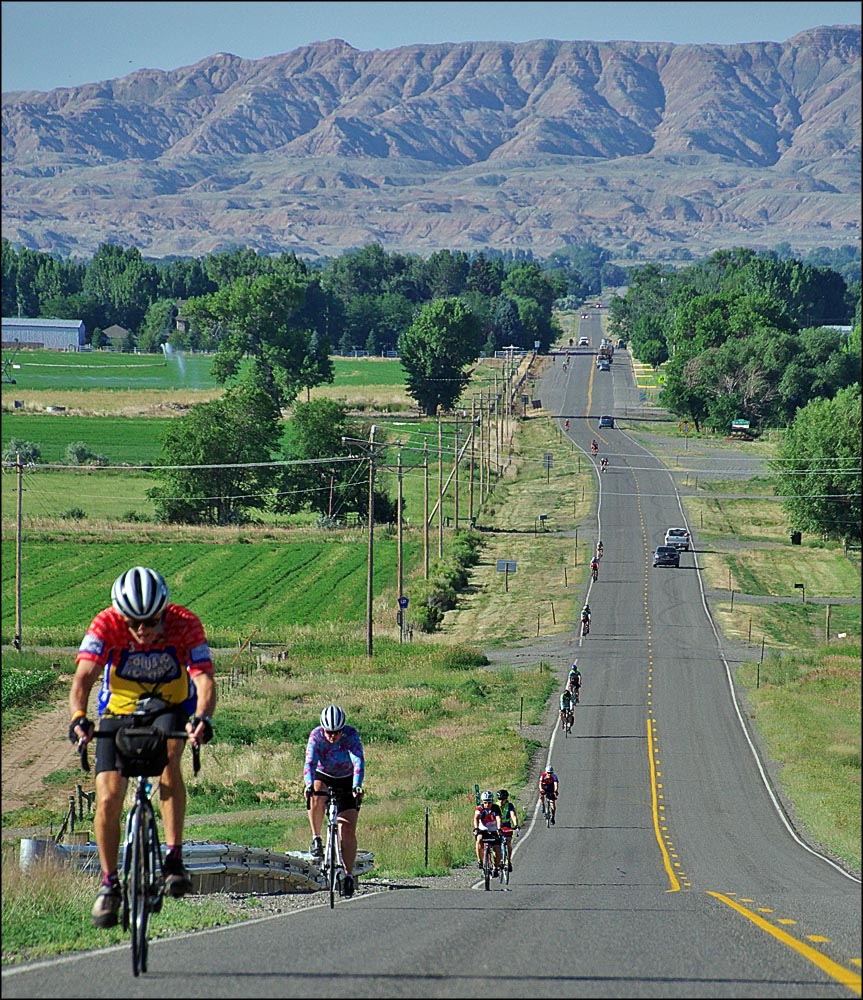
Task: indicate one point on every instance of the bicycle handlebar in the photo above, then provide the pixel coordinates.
(85, 760)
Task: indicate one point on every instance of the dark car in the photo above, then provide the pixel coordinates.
(606, 421)
(666, 555)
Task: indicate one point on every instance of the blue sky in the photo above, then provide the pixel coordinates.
(47, 45)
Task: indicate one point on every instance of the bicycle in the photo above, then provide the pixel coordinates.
(333, 867)
(504, 860)
(566, 721)
(488, 842)
(594, 570)
(143, 883)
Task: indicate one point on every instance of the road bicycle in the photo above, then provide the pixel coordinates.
(488, 842)
(548, 813)
(142, 880)
(566, 721)
(585, 626)
(594, 571)
(504, 860)
(333, 868)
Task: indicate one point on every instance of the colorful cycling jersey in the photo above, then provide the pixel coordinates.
(575, 678)
(509, 817)
(565, 700)
(340, 759)
(165, 667)
(487, 818)
(548, 779)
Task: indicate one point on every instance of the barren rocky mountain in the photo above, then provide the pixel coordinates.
(533, 145)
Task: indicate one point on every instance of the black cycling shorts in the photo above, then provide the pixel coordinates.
(344, 788)
(106, 751)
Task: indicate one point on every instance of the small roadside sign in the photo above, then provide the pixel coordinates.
(403, 602)
(684, 426)
(506, 565)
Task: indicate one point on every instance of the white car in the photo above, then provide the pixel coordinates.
(678, 537)
(583, 342)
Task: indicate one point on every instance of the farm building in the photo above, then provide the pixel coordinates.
(57, 334)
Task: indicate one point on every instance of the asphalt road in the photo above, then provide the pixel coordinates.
(671, 870)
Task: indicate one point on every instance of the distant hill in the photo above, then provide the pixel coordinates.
(536, 145)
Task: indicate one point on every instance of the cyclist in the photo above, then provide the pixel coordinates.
(335, 757)
(594, 568)
(594, 447)
(599, 549)
(566, 716)
(508, 823)
(574, 682)
(141, 645)
(486, 824)
(585, 619)
(548, 788)
(603, 464)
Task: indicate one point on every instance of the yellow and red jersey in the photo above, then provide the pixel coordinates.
(166, 667)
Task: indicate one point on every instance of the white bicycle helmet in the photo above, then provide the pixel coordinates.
(487, 796)
(140, 593)
(333, 719)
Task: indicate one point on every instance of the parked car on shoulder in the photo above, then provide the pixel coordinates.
(678, 537)
(666, 555)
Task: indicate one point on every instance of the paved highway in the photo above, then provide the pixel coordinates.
(671, 870)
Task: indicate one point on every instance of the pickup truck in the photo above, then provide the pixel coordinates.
(678, 537)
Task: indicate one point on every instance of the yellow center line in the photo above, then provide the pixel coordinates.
(833, 969)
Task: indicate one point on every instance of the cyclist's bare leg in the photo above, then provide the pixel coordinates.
(110, 793)
(316, 810)
(172, 795)
(348, 837)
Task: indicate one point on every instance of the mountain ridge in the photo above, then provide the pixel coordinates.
(527, 145)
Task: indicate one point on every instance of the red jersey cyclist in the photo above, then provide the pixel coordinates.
(486, 826)
(548, 789)
(141, 645)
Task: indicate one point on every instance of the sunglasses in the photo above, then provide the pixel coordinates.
(333, 732)
(146, 622)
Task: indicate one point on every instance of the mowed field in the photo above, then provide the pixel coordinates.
(82, 526)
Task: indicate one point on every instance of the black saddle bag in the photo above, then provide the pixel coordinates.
(141, 750)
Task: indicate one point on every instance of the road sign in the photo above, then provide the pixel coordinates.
(548, 460)
(506, 565)
(684, 427)
(403, 602)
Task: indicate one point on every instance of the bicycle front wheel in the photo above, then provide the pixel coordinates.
(486, 867)
(141, 874)
(332, 866)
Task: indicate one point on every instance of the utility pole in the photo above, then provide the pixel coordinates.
(426, 510)
(455, 473)
(19, 468)
(439, 488)
(400, 581)
(371, 529)
(472, 450)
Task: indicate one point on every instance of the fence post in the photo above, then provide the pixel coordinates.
(427, 837)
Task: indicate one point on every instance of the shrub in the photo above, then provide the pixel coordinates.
(28, 452)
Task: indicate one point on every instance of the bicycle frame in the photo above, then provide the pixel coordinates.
(333, 867)
(142, 879)
(143, 882)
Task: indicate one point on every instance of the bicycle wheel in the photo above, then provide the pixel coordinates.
(331, 863)
(548, 815)
(139, 907)
(487, 866)
(505, 863)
